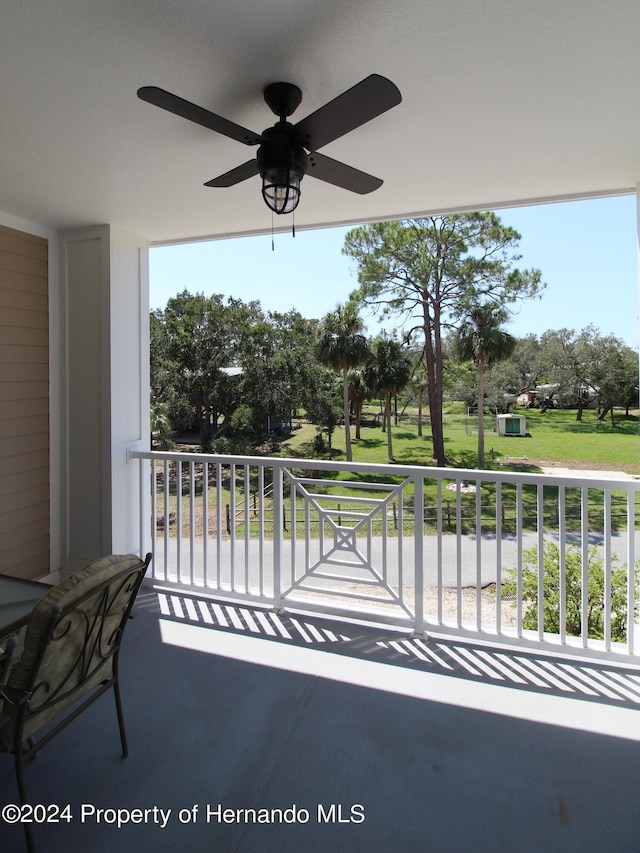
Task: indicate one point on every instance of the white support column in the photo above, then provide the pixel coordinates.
(638, 232)
(636, 633)
(104, 277)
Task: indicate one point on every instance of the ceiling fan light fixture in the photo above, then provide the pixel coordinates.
(282, 164)
(281, 189)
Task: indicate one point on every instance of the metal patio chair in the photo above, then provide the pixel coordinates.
(69, 658)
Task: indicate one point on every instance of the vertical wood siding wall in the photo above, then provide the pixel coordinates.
(24, 404)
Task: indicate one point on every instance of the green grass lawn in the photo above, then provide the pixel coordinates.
(554, 437)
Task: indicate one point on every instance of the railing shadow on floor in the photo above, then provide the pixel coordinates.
(546, 674)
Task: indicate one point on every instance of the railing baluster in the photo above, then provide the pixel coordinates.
(584, 525)
(179, 518)
(167, 519)
(232, 531)
(631, 574)
(540, 531)
(418, 502)
(278, 535)
(205, 523)
(459, 551)
(261, 527)
(192, 519)
(293, 503)
(499, 557)
(385, 509)
(562, 544)
(607, 568)
(307, 536)
(479, 555)
(247, 527)
(154, 506)
(219, 525)
(439, 550)
(401, 541)
(519, 560)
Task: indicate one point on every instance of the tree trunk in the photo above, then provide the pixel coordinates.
(204, 424)
(358, 414)
(435, 413)
(345, 399)
(387, 419)
(420, 412)
(481, 415)
(433, 359)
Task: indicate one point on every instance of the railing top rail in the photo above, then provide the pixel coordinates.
(414, 471)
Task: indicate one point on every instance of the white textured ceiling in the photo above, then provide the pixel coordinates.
(504, 102)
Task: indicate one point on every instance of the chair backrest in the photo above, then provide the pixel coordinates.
(73, 637)
(6, 655)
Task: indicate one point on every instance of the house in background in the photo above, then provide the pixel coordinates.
(501, 106)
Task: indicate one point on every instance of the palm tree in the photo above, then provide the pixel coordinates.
(481, 339)
(160, 426)
(388, 371)
(341, 346)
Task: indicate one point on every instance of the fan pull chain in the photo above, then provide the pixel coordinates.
(293, 224)
(273, 248)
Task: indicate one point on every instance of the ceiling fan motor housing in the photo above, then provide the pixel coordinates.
(283, 99)
(279, 151)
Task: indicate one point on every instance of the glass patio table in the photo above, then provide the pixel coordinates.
(18, 597)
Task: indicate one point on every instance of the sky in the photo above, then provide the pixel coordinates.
(587, 252)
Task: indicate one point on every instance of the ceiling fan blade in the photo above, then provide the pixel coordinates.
(366, 100)
(334, 172)
(166, 101)
(235, 176)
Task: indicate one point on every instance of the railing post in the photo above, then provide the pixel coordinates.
(278, 538)
(418, 532)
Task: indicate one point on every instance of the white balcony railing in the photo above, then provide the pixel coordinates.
(441, 550)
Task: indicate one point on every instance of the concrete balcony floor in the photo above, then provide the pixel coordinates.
(441, 745)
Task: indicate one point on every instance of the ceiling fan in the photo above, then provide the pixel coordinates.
(288, 152)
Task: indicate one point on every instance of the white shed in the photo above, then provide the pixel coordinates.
(511, 424)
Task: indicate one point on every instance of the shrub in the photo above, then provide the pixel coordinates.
(573, 579)
(246, 422)
(319, 444)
